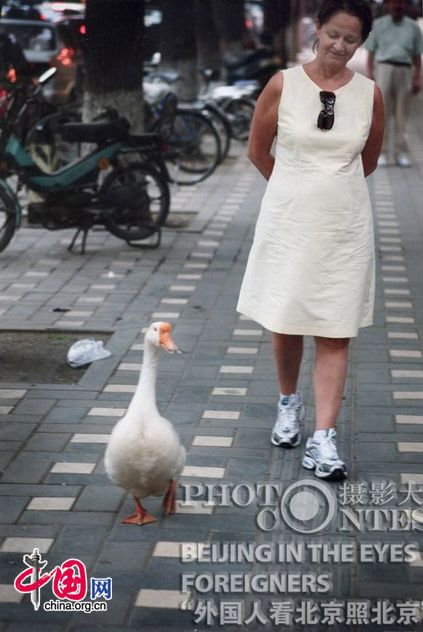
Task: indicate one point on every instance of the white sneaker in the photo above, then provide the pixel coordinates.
(382, 161)
(403, 160)
(286, 431)
(321, 456)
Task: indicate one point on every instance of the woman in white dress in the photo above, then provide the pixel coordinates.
(311, 266)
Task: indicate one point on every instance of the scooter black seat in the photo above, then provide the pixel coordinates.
(147, 141)
(249, 57)
(96, 132)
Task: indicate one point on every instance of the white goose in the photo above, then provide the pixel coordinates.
(144, 454)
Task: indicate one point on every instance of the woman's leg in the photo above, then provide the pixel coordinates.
(288, 352)
(330, 371)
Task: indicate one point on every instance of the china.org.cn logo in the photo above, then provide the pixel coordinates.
(69, 584)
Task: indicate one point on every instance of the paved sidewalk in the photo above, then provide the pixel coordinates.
(221, 396)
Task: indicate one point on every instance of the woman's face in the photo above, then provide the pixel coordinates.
(339, 38)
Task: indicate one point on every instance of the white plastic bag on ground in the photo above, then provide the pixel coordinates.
(86, 351)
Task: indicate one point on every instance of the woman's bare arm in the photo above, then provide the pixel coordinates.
(373, 146)
(370, 65)
(264, 126)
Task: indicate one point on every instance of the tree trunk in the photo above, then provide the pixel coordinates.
(178, 45)
(198, 34)
(228, 17)
(277, 18)
(114, 59)
(219, 32)
(207, 36)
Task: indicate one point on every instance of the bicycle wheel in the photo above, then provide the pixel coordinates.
(192, 151)
(7, 220)
(222, 126)
(136, 201)
(241, 113)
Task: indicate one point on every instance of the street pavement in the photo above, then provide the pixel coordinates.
(221, 396)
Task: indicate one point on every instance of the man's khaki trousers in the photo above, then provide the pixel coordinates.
(395, 85)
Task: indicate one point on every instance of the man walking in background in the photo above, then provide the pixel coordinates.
(13, 64)
(396, 44)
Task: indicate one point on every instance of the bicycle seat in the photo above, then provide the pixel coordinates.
(96, 132)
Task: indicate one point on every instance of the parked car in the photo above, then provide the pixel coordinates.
(17, 10)
(57, 10)
(40, 10)
(52, 44)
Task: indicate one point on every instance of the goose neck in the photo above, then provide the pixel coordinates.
(145, 393)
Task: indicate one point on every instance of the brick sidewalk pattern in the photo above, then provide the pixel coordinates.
(220, 394)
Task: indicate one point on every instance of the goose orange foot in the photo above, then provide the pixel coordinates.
(169, 501)
(141, 516)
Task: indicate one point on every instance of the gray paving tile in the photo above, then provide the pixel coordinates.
(10, 431)
(49, 415)
(17, 489)
(33, 626)
(12, 508)
(251, 469)
(99, 498)
(34, 406)
(125, 556)
(83, 540)
(47, 441)
(23, 613)
(66, 414)
(64, 518)
(25, 470)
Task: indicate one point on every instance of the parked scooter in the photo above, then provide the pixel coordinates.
(130, 198)
(257, 65)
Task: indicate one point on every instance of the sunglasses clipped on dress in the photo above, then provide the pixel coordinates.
(327, 115)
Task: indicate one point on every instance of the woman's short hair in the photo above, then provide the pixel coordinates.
(358, 8)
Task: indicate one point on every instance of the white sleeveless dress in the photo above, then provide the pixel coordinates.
(311, 266)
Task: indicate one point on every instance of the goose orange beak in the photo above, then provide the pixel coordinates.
(165, 340)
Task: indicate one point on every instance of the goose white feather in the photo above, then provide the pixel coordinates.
(144, 454)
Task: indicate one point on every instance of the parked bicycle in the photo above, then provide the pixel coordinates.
(121, 184)
(190, 144)
(236, 101)
(229, 108)
(206, 107)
